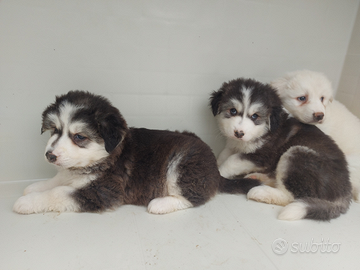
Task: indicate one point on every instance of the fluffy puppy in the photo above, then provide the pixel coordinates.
(308, 169)
(307, 95)
(104, 164)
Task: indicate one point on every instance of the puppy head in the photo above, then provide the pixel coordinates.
(305, 94)
(85, 128)
(246, 109)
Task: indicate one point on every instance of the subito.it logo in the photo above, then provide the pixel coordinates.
(280, 246)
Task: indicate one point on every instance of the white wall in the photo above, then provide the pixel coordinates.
(349, 86)
(158, 61)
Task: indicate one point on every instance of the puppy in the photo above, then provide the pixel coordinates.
(307, 95)
(308, 169)
(104, 164)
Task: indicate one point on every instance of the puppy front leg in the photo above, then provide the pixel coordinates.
(59, 179)
(234, 165)
(57, 199)
(224, 155)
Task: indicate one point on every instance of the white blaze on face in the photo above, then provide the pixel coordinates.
(69, 151)
(242, 123)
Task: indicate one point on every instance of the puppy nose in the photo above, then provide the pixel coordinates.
(239, 134)
(50, 156)
(318, 116)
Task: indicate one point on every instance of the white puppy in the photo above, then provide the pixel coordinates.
(308, 96)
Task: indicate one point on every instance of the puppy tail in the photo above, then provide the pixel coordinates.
(237, 186)
(314, 208)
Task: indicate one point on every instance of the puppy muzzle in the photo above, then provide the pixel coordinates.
(239, 134)
(318, 117)
(50, 157)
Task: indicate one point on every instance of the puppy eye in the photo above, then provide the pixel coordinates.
(79, 138)
(233, 111)
(322, 99)
(55, 131)
(302, 99)
(254, 116)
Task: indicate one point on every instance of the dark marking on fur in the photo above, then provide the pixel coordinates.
(238, 185)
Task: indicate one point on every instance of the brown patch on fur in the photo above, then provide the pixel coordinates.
(265, 179)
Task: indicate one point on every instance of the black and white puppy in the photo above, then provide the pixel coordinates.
(103, 164)
(308, 170)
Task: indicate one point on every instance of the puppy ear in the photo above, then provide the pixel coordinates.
(279, 84)
(47, 121)
(215, 99)
(277, 116)
(112, 129)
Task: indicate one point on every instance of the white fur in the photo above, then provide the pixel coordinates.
(229, 161)
(168, 204)
(55, 194)
(174, 201)
(293, 211)
(57, 199)
(270, 195)
(52, 194)
(227, 152)
(62, 178)
(68, 154)
(237, 146)
(339, 123)
(243, 123)
(234, 165)
(172, 177)
(231, 164)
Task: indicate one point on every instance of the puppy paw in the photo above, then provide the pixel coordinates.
(168, 204)
(24, 205)
(56, 200)
(260, 194)
(356, 196)
(268, 195)
(223, 172)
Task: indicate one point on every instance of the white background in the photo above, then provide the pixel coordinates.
(157, 61)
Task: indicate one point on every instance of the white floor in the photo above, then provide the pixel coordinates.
(228, 232)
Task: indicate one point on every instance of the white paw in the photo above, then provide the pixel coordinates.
(260, 194)
(168, 204)
(223, 172)
(57, 200)
(356, 196)
(269, 195)
(24, 205)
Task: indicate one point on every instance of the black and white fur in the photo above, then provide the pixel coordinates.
(308, 96)
(104, 164)
(306, 168)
